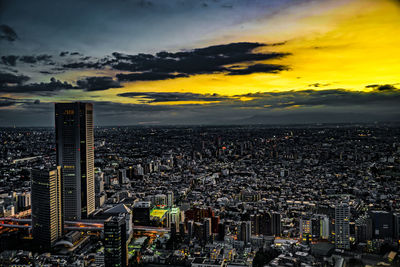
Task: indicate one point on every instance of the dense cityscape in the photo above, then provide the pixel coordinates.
(302, 195)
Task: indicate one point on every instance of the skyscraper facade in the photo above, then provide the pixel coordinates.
(47, 222)
(342, 226)
(75, 155)
(115, 248)
(276, 224)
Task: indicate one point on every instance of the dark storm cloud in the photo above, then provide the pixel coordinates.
(384, 87)
(8, 102)
(46, 72)
(7, 33)
(32, 88)
(9, 78)
(10, 60)
(98, 83)
(153, 97)
(83, 65)
(148, 76)
(35, 59)
(258, 68)
(198, 61)
(166, 65)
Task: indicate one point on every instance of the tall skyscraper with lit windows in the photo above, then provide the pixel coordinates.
(75, 155)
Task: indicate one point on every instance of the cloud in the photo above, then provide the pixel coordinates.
(258, 68)
(210, 59)
(83, 65)
(53, 85)
(291, 107)
(98, 83)
(35, 59)
(9, 78)
(153, 97)
(328, 98)
(9, 60)
(384, 87)
(9, 102)
(7, 33)
(148, 76)
(318, 84)
(167, 65)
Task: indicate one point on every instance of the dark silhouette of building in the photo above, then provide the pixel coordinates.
(276, 224)
(244, 232)
(141, 213)
(75, 155)
(221, 232)
(115, 247)
(396, 226)
(262, 223)
(47, 222)
(382, 224)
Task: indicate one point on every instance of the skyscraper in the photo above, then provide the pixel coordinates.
(75, 155)
(47, 222)
(115, 249)
(342, 226)
(170, 199)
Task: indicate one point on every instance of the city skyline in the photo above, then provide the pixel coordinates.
(207, 62)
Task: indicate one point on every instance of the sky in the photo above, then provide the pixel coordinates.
(208, 62)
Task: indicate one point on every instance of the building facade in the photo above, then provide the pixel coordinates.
(47, 221)
(342, 226)
(75, 155)
(115, 248)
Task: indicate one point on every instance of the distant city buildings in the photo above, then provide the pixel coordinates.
(215, 196)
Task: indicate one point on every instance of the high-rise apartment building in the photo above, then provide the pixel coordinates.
(75, 155)
(342, 226)
(47, 222)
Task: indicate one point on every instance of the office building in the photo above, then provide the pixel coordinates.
(115, 247)
(47, 222)
(75, 155)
